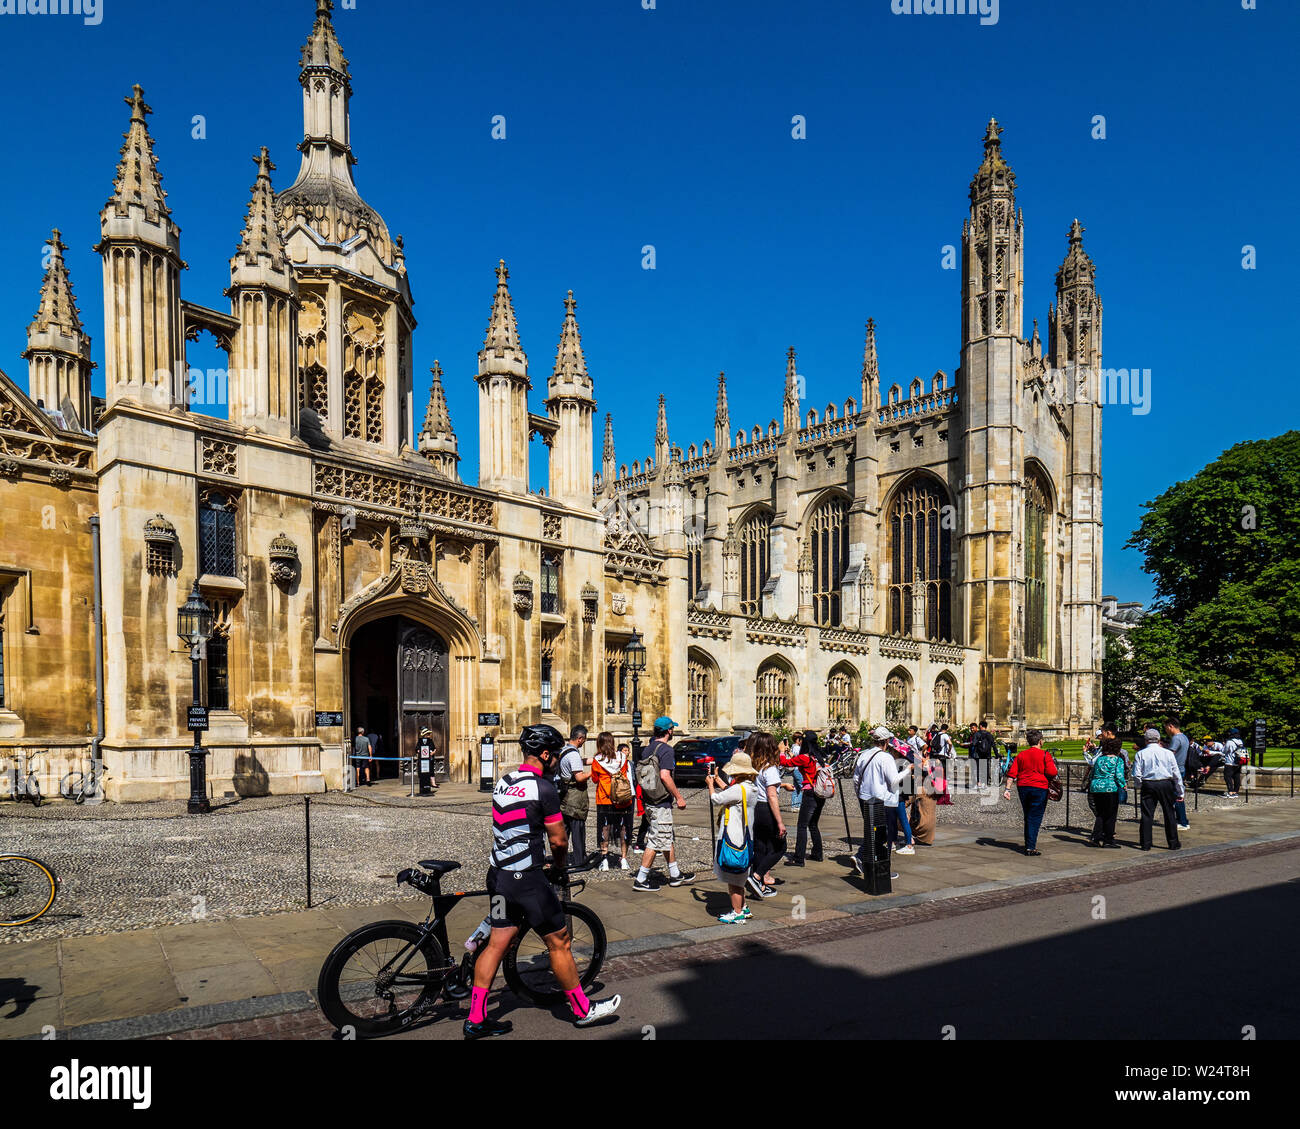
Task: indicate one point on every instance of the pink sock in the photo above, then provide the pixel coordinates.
(579, 1002)
(478, 1005)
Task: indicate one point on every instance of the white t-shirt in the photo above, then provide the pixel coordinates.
(730, 799)
(770, 777)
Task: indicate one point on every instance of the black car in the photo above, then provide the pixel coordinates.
(696, 754)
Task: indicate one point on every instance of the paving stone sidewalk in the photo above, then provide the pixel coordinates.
(162, 980)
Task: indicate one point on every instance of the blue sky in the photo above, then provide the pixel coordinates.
(672, 127)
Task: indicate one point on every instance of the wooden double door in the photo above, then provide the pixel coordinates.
(422, 680)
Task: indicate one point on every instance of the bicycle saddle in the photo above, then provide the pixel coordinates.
(433, 866)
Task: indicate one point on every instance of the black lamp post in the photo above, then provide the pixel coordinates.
(194, 625)
(636, 664)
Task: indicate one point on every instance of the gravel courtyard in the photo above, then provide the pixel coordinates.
(132, 866)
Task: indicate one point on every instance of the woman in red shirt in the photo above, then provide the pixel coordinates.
(1034, 771)
(810, 804)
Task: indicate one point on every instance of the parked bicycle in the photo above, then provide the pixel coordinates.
(27, 889)
(384, 977)
(82, 786)
(23, 784)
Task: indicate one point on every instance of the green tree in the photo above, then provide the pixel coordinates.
(1222, 644)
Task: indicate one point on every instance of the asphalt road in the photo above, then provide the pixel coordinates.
(1176, 957)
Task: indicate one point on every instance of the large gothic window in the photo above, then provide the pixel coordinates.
(754, 537)
(920, 546)
(363, 374)
(945, 698)
(774, 687)
(829, 530)
(551, 583)
(898, 700)
(218, 673)
(694, 566)
(701, 692)
(842, 696)
(217, 535)
(1037, 527)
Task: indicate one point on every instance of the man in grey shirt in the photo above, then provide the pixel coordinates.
(1178, 746)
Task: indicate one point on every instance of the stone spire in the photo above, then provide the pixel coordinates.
(790, 407)
(1074, 325)
(503, 398)
(58, 306)
(324, 199)
(609, 467)
(321, 52)
(569, 401)
(138, 183)
(570, 364)
(144, 343)
(662, 449)
(994, 175)
(261, 245)
(58, 350)
(870, 371)
(502, 352)
(438, 441)
(722, 417)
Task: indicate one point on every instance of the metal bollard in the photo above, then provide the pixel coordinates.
(307, 812)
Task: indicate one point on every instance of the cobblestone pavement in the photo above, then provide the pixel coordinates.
(124, 867)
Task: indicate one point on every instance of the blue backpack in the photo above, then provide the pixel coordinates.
(732, 859)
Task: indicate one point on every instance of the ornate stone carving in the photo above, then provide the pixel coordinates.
(9, 468)
(219, 458)
(415, 577)
(416, 532)
(523, 588)
(552, 525)
(618, 604)
(369, 488)
(283, 557)
(60, 477)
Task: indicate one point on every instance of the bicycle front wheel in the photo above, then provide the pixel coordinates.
(379, 979)
(528, 962)
(27, 889)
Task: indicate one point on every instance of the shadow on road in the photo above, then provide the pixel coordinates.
(1082, 985)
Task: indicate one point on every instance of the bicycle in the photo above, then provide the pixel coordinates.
(23, 784)
(80, 786)
(384, 977)
(27, 889)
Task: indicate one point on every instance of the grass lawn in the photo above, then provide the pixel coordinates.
(1073, 750)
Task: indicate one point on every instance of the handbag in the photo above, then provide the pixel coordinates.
(732, 859)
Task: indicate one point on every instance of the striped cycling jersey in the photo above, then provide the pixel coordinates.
(524, 803)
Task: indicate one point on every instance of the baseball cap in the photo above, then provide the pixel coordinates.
(1152, 735)
(665, 723)
(880, 733)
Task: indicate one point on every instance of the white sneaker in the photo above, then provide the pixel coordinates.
(600, 1009)
(906, 850)
(604, 864)
(857, 865)
(622, 864)
(1184, 827)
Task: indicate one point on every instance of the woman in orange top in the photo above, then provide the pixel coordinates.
(611, 817)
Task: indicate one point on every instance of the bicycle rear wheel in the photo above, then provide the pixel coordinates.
(27, 889)
(380, 978)
(528, 962)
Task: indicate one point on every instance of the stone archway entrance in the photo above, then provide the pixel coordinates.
(398, 684)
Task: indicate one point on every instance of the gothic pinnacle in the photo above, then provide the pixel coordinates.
(322, 48)
(502, 353)
(609, 438)
(791, 400)
(138, 181)
(261, 236)
(722, 416)
(437, 420)
(58, 306)
(570, 363)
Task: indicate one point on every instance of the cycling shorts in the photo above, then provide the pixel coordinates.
(524, 899)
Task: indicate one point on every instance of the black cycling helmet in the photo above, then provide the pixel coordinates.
(541, 741)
